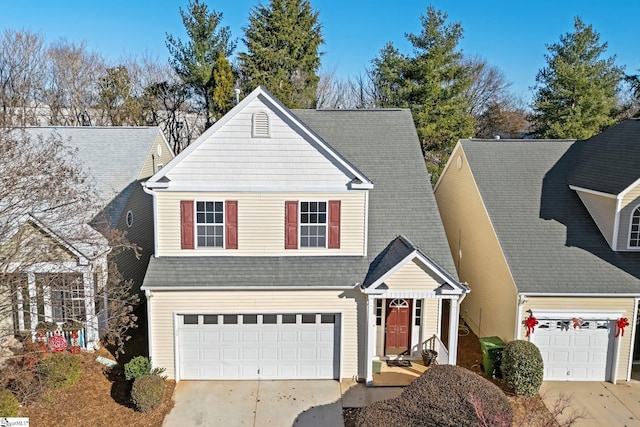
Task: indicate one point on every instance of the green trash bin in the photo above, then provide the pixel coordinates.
(491, 355)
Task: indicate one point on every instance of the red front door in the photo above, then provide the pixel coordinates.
(397, 326)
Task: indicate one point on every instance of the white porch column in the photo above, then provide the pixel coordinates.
(453, 331)
(48, 304)
(33, 303)
(370, 338)
(21, 307)
(91, 323)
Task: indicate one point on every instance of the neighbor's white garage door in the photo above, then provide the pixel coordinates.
(258, 346)
(575, 354)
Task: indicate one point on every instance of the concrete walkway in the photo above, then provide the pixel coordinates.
(256, 403)
(600, 403)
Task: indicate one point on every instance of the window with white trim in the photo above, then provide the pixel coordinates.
(378, 312)
(634, 232)
(313, 224)
(210, 224)
(418, 318)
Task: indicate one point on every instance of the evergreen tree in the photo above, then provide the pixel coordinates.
(433, 82)
(195, 60)
(223, 82)
(577, 91)
(283, 41)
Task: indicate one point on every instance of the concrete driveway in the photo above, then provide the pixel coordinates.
(602, 404)
(256, 403)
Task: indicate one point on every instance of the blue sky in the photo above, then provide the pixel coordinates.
(509, 34)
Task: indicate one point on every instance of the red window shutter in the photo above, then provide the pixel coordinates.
(231, 224)
(334, 224)
(291, 225)
(187, 223)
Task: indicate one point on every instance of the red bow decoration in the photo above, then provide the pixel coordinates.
(577, 323)
(530, 322)
(622, 323)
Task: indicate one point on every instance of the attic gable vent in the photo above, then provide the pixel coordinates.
(261, 125)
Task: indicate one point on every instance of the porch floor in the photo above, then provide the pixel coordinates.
(394, 376)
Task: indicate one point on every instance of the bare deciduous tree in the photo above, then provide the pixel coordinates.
(70, 90)
(21, 74)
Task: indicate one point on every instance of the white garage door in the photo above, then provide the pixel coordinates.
(258, 346)
(575, 354)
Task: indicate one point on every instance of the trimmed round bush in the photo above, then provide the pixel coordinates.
(60, 370)
(147, 392)
(137, 367)
(522, 367)
(444, 396)
(9, 404)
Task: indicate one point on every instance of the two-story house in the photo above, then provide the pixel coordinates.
(545, 233)
(297, 245)
(58, 274)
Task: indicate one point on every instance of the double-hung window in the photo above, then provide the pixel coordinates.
(313, 224)
(210, 224)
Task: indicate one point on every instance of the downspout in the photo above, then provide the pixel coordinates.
(147, 294)
(155, 218)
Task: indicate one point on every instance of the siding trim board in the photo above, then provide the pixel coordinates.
(248, 288)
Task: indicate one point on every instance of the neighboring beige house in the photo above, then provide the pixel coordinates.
(298, 245)
(57, 274)
(549, 229)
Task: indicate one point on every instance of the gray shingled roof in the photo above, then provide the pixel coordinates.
(112, 157)
(608, 162)
(383, 144)
(548, 237)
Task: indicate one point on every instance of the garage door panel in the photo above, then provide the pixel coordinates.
(282, 350)
(212, 354)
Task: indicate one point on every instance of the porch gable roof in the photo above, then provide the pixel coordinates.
(397, 254)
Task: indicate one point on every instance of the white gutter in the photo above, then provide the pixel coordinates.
(246, 288)
(577, 294)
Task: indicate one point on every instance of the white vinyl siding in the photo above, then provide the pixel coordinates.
(413, 277)
(165, 304)
(602, 210)
(261, 223)
(233, 158)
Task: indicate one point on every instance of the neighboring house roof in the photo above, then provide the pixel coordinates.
(608, 162)
(550, 241)
(112, 157)
(383, 146)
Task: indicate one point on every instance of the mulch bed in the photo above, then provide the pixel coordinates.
(100, 398)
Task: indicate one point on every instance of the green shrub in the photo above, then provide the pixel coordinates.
(9, 405)
(137, 367)
(60, 370)
(444, 396)
(522, 367)
(147, 392)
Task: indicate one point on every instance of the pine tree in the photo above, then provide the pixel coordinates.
(577, 91)
(223, 83)
(433, 82)
(283, 41)
(194, 61)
